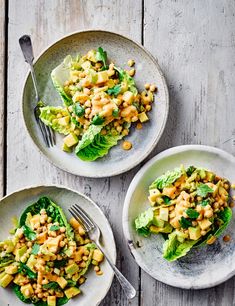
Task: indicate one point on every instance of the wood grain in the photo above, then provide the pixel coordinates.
(2, 96)
(194, 44)
(47, 21)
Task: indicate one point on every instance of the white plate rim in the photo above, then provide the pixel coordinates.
(29, 187)
(125, 223)
(144, 156)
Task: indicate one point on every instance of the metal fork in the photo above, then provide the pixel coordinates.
(27, 49)
(94, 234)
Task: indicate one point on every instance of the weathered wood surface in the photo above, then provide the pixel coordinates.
(2, 96)
(194, 42)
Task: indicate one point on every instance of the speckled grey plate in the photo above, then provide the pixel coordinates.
(203, 267)
(96, 287)
(119, 49)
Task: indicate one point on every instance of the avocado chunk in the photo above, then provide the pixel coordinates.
(71, 140)
(72, 269)
(194, 233)
(5, 279)
(204, 224)
(51, 300)
(31, 262)
(202, 173)
(102, 77)
(12, 269)
(27, 290)
(20, 252)
(210, 176)
(64, 121)
(71, 292)
(163, 213)
(62, 282)
(143, 117)
(158, 222)
(65, 148)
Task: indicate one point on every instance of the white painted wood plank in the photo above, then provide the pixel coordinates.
(47, 21)
(2, 89)
(194, 42)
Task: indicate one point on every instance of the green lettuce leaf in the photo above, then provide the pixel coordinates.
(173, 249)
(88, 137)
(60, 75)
(48, 116)
(5, 261)
(143, 221)
(100, 146)
(53, 210)
(166, 179)
(16, 289)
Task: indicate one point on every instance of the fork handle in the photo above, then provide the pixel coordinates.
(126, 285)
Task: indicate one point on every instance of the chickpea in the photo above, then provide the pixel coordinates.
(85, 258)
(99, 273)
(44, 281)
(131, 72)
(147, 86)
(231, 205)
(87, 111)
(46, 294)
(194, 223)
(125, 132)
(62, 244)
(62, 229)
(226, 238)
(126, 145)
(96, 268)
(203, 233)
(82, 264)
(81, 280)
(139, 126)
(29, 244)
(153, 88)
(131, 63)
(211, 240)
(119, 129)
(40, 295)
(86, 252)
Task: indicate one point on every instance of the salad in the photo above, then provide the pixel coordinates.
(101, 102)
(190, 207)
(47, 258)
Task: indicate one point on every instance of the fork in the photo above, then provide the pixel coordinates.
(27, 49)
(94, 233)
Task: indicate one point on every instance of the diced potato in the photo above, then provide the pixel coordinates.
(169, 191)
(27, 290)
(175, 222)
(12, 269)
(163, 213)
(35, 221)
(98, 255)
(41, 238)
(102, 77)
(128, 97)
(64, 121)
(194, 233)
(143, 117)
(71, 140)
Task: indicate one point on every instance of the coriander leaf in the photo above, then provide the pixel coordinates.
(144, 231)
(97, 120)
(35, 249)
(185, 223)
(31, 235)
(74, 121)
(54, 228)
(114, 90)
(78, 110)
(204, 202)
(71, 283)
(166, 200)
(101, 56)
(60, 263)
(190, 170)
(192, 213)
(115, 112)
(51, 285)
(203, 190)
(24, 269)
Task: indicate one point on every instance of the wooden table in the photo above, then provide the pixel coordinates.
(194, 42)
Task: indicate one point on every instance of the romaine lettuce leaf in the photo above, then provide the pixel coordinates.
(48, 116)
(166, 179)
(5, 261)
(99, 147)
(173, 249)
(88, 137)
(60, 75)
(53, 211)
(143, 221)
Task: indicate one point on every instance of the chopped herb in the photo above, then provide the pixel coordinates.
(166, 200)
(204, 202)
(143, 231)
(74, 121)
(190, 170)
(71, 283)
(185, 223)
(101, 56)
(31, 235)
(203, 190)
(97, 120)
(54, 228)
(192, 213)
(51, 285)
(60, 263)
(24, 269)
(78, 110)
(35, 249)
(114, 90)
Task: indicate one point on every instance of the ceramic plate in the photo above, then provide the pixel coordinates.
(203, 267)
(120, 49)
(95, 288)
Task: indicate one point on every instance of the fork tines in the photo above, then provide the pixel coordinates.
(79, 214)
